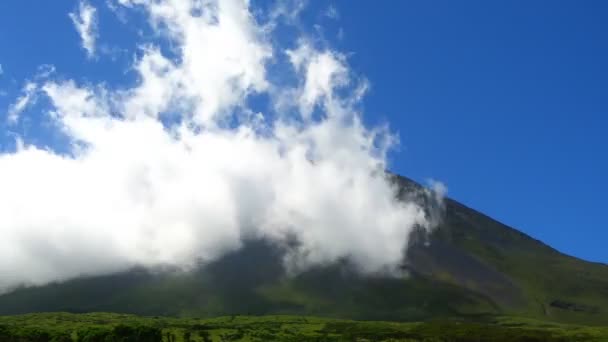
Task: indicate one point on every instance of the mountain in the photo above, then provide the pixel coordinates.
(470, 266)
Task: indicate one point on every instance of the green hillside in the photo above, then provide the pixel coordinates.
(470, 267)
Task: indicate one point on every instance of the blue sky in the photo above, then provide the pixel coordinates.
(505, 101)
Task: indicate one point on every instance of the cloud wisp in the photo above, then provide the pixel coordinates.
(28, 95)
(85, 22)
(180, 167)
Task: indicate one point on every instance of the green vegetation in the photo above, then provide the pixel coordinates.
(93, 327)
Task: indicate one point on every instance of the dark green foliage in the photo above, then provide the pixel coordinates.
(120, 333)
(32, 331)
(10, 333)
(443, 331)
(94, 334)
(105, 327)
(463, 332)
(140, 333)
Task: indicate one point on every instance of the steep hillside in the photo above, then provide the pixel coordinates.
(470, 266)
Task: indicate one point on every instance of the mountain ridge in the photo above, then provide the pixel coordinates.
(469, 266)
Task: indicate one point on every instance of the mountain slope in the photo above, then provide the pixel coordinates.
(471, 265)
(521, 274)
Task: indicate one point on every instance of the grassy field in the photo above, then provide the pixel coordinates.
(118, 327)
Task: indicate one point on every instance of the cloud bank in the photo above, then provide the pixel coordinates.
(180, 168)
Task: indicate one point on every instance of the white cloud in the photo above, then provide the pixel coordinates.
(332, 12)
(137, 191)
(322, 72)
(85, 21)
(223, 56)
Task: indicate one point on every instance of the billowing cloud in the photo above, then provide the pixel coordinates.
(85, 21)
(180, 167)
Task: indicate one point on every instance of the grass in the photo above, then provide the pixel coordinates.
(92, 327)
